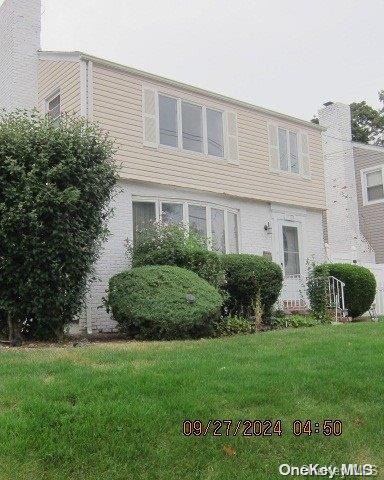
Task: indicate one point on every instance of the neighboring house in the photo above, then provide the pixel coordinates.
(250, 179)
(354, 178)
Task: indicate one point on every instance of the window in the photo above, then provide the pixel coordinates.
(215, 136)
(192, 127)
(177, 123)
(53, 107)
(168, 121)
(218, 230)
(197, 217)
(172, 213)
(374, 185)
(291, 251)
(233, 243)
(144, 214)
(220, 225)
(288, 151)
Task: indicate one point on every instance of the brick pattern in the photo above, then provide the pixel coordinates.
(253, 238)
(20, 26)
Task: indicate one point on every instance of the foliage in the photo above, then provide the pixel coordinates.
(247, 277)
(233, 325)
(367, 122)
(56, 181)
(280, 320)
(317, 291)
(360, 285)
(163, 302)
(162, 244)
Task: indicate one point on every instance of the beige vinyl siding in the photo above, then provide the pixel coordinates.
(63, 75)
(117, 105)
(371, 217)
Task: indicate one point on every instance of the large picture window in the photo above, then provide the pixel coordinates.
(219, 225)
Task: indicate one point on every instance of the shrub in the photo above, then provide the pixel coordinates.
(360, 285)
(295, 321)
(163, 302)
(251, 279)
(161, 244)
(317, 290)
(233, 325)
(56, 182)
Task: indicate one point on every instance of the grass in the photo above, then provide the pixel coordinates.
(114, 411)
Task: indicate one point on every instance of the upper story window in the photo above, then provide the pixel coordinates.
(53, 106)
(288, 150)
(372, 185)
(219, 225)
(177, 123)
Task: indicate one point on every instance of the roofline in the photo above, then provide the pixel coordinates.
(77, 56)
(367, 146)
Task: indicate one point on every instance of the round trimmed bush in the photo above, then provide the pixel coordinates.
(360, 285)
(163, 302)
(250, 277)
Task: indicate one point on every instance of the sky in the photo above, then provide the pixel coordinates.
(290, 56)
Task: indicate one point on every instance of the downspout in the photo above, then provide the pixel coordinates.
(86, 86)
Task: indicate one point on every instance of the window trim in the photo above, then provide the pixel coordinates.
(364, 186)
(158, 201)
(48, 100)
(203, 107)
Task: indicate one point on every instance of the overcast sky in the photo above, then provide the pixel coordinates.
(289, 56)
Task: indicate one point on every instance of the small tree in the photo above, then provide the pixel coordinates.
(56, 182)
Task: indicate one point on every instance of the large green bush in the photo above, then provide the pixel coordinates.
(251, 278)
(163, 302)
(162, 244)
(360, 285)
(56, 182)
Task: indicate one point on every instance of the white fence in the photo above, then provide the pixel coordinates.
(378, 270)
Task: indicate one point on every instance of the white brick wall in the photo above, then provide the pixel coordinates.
(20, 25)
(346, 243)
(253, 238)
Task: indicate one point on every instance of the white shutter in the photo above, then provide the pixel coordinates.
(232, 146)
(149, 106)
(273, 147)
(304, 156)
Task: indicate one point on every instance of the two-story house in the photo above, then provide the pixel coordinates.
(250, 179)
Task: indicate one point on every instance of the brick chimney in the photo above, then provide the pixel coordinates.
(20, 32)
(346, 242)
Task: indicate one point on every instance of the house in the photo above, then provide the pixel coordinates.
(250, 179)
(354, 178)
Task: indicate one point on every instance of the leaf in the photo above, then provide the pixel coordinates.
(228, 450)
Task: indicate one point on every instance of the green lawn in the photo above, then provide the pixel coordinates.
(114, 411)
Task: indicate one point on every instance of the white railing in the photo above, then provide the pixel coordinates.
(336, 298)
(294, 294)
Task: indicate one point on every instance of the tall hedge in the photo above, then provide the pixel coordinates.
(162, 244)
(56, 182)
(360, 285)
(250, 277)
(163, 302)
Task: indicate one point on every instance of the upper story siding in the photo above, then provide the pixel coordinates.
(117, 96)
(371, 216)
(63, 77)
